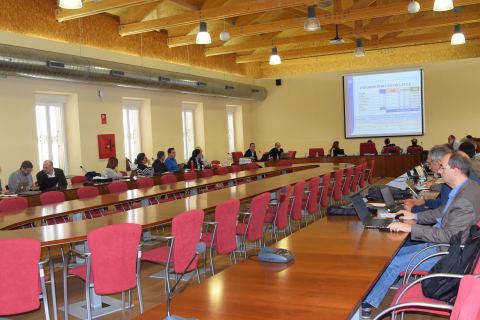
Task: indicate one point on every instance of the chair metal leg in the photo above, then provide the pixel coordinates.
(89, 306)
(234, 258)
(129, 298)
(123, 300)
(212, 268)
(45, 299)
(65, 286)
(52, 284)
(139, 286)
(198, 274)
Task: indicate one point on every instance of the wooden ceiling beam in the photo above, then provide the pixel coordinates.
(411, 40)
(227, 11)
(469, 15)
(362, 4)
(186, 4)
(92, 8)
(138, 13)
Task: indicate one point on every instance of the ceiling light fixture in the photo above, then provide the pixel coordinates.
(275, 58)
(457, 37)
(312, 23)
(70, 4)
(203, 37)
(224, 35)
(359, 49)
(442, 5)
(413, 6)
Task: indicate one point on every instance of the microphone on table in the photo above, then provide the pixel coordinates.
(200, 248)
(83, 169)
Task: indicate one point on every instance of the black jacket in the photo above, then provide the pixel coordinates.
(48, 184)
(248, 154)
(158, 167)
(275, 153)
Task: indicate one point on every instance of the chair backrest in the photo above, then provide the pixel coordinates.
(258, 208)
(207, 173)
(87, 192)
(283, 208)
(414, 150)
(215, 162)
(189, 175)
(252, 166)
(316, 152)
(325, 189)
(361, 182)
(337, 189)
(292, 154)
(168, 178)
(186, 228)
(391, 150)
(145, 182)
(78, 179)
(13, 204)
(19, 280)
(226, 216)
(236, 168)
(117, 186)
(222, 170)
(236, 155)
(114, 251)
(368, 148)
(348, 181)
(466, 304)
(357, 173)
(283, 162)
(313, 186)
(51, 197)
(370, 173)
(297, 203)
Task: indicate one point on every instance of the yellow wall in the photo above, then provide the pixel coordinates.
(307, 111)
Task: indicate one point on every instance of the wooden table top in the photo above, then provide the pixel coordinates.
(336, 263)
(155, 214)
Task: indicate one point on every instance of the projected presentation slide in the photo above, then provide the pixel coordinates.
(383, 104)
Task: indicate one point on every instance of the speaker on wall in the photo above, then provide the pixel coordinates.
(278, 82)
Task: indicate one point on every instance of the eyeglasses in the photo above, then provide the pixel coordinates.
(442, 167)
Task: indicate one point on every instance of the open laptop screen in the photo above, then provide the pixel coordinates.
(360, 207)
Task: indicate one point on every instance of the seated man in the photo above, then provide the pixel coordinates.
(251, 153)
(469, 148)
(276, 152)
(171, 162)
(21, 178)
(51, 178)
(461, 211)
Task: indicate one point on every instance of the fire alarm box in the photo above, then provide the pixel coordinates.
(106, 146)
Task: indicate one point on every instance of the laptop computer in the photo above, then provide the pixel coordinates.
(390, 203)
(368, 221)
(413, 188)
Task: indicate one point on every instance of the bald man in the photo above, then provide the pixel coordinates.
(51, 178)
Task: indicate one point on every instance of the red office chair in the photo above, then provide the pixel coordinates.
(168, 178)
(336, 192)
(292, 154)
(349, 177)
(222, 238)
(316, 152)
(53, 197)
(112, 265)
(311, 198)
(391, 150)
(324, 195)
(144, 183)
(297, 205)
(414, 150)
(22, 280)
(189, 175)
(236, 155)
(8, 205)
(236, 168)
(361, 182)
(466, 306)
(252, 166)
(284, 163)
(89, 192)
(357, 174)
(369, 172)
(222, 170)
(215, 163)
(78, 179)
(207, 173)
(368, 148)
(181, 246)
(118, 187)
(251, 226)
(277, 216)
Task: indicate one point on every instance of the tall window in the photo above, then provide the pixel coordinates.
(50, 130)
(231, 130)
(131, 128)
(188, 121)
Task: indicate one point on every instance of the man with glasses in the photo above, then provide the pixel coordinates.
(461, 211)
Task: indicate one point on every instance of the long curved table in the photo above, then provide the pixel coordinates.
(157, 214)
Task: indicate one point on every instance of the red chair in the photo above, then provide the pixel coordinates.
(363, 175)
(236, 155)
(325, 191)
(236, 168)
(124, 173)
(53, 197)
(311, 198)
(207, 173)
(145, 182)
(251, 226)
(78, 179)
(316, 152)
(215, 163)
(349, 177)
(252, 166)
(414, 150)
(297, 206)
(87, 193)
(391, 150)
(277, 216)
(222, 170)
(112, 265)
(189, 175)
(357, 174)
(13, 204)
(168, 178)
(118, 187)
(181, 246)
(466, 306)
(223, 237)
(369, 172)
(292, 154)
(22, 281)
(368, 148)
(336, 192)
(284, 163)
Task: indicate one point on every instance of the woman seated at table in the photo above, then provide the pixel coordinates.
(335, 149)
(111, 171)
(158, 165)
(142, 162)
(195, 161)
